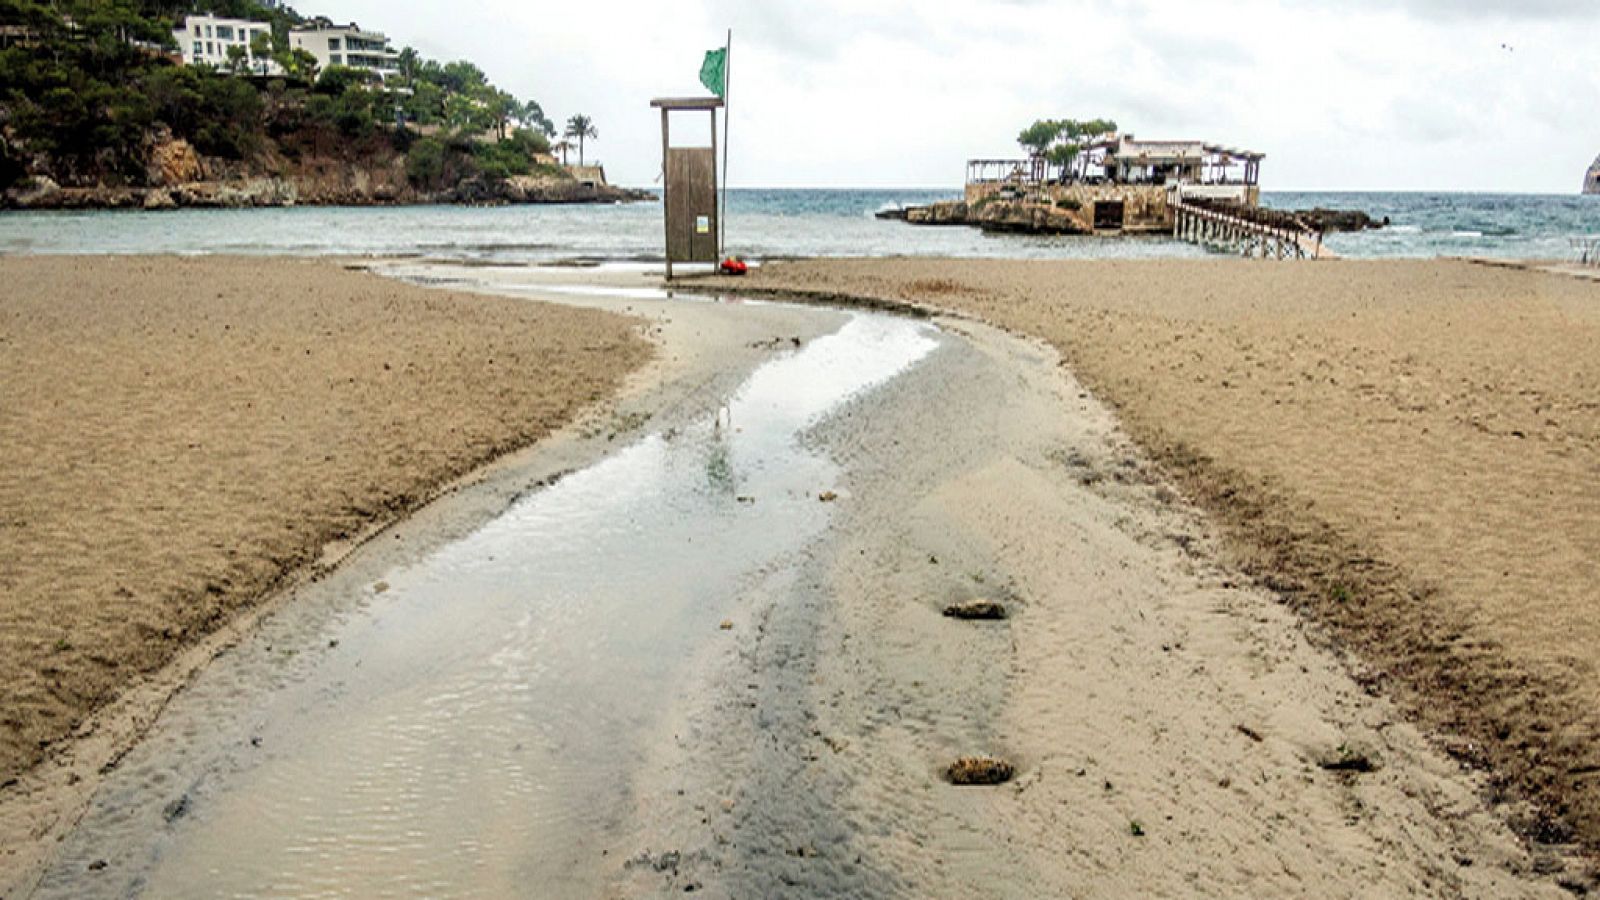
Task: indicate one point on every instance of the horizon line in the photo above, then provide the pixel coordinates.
(1501, 192)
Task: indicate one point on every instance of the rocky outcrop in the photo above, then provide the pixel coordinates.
(1332, 220)
(951, 212)
(1591, 181)
(1019, 217)
(176, 176)
(545, 189)
(329, 185)
(37, 191)
(174, 162)
(41, 193)
(1012, 216)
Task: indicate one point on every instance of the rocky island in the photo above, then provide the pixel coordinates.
(1086, 177)
(1591, 179)
(1029, 217)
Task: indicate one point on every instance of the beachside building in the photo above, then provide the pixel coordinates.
(1591, 181)
(347, 45)
(593, 175)
(1120, 185)
(204, 40)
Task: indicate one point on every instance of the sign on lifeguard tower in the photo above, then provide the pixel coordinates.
(689, 186)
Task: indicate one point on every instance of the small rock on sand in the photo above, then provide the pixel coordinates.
(727, 625)
(827, 496)
(979, 770)
(976, 609)
(1346, 758)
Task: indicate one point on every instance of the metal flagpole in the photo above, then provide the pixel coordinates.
(722, 217)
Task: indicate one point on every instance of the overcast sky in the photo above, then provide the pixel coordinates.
(1340, 94)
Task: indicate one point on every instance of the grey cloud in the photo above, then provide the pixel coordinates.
(1473, 9)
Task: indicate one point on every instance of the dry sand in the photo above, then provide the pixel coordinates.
(1408, 451)
(1137, 680)
(177, 435)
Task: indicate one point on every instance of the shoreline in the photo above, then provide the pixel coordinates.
(1482, 684)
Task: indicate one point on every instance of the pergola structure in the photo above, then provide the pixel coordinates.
(689, 187)
(1122, 160)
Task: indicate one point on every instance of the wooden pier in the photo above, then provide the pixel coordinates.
(1245, 231)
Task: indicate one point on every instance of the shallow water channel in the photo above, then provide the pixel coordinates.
(468, 723)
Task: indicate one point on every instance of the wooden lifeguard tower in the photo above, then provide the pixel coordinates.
(689, 187)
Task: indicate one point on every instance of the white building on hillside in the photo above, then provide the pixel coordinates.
(347, 45)
(204, 41)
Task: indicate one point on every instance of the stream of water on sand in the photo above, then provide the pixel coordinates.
(468, 726)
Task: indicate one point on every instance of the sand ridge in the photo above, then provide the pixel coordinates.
(1173, 730)
(177, 434)
(1406, 450)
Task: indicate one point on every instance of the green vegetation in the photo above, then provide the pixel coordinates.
(1062, 141)
(89, 87)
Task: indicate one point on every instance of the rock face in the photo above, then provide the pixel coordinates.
(1591, 181)
(174, 162)
(950, 212)
(1017, 217)
(177, 176)
(317, 186)
(994, 215)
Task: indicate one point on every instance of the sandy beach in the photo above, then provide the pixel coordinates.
(1405, 451)
(686, 646)
(181, 435)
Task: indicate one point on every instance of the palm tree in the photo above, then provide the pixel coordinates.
(581, 127)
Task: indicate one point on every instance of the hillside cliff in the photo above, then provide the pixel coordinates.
(98, 110)
(179, 177)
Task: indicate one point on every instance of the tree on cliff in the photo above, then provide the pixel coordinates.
(581, 127)
(531, 115)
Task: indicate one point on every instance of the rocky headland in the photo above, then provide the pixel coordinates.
(180, 178)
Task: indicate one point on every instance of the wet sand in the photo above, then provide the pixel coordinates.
(178, 436)
(1409, 452)
(699, 356)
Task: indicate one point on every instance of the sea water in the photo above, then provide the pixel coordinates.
(769, 224)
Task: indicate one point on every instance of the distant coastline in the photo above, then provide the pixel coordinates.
(166, 109)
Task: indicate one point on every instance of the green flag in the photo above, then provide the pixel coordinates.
(714, 71)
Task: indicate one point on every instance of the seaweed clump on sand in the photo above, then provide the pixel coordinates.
(979, 770)
(986, 610)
